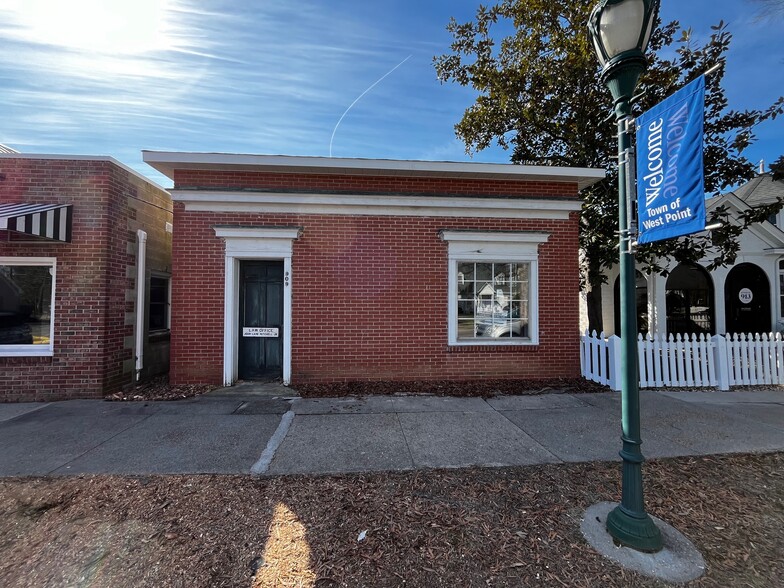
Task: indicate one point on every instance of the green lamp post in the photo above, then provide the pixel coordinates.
(620, 31)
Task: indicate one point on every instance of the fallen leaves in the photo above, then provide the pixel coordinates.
(159, 389)
(466, 528)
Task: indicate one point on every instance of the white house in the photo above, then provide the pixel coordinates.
(746, 297)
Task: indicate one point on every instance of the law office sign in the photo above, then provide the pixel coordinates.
(670, 185)
(259, 332)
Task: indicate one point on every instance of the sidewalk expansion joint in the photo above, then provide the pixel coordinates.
(405, 440)
(558, 458)
(100, 444)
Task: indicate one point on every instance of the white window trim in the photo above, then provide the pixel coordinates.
(505, 247)
(34, 350)
(274, 243)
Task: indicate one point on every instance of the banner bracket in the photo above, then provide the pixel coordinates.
(712, 69)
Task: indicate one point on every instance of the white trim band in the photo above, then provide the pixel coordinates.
(351, 204)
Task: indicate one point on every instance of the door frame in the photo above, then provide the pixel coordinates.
(260, 243)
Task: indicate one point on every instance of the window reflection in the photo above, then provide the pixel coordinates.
(493, 300)
(25, 305)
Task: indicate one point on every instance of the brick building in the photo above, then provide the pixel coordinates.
(76, 232)
(318, 269)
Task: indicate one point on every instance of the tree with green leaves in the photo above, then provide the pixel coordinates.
(540, 97)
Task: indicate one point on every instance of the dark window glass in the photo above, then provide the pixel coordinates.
(25, 305)
(159, 304)
(689, 295)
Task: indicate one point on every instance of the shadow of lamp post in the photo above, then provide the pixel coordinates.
(620, 31)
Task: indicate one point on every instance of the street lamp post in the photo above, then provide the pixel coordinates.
(620, 31)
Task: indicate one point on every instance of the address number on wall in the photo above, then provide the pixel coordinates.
(259, 332)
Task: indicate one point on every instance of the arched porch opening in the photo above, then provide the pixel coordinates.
(747, 299)
(641, 297)
(690, 301)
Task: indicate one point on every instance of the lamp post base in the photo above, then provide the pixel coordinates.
(638, 532)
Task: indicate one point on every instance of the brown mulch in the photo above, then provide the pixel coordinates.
(158, 388)
(466, 528)
(484, 388)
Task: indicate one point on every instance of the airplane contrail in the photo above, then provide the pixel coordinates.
(369, 88)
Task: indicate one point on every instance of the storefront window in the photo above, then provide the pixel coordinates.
(493, 287)
(26, 304)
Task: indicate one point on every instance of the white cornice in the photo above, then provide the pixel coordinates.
(350, 204)
(167, 162)
(495, 236)
(232, 232)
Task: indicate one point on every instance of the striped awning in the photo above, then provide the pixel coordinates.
(50, 221)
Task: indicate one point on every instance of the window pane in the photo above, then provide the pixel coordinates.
(781, 295)
(467, 271)
(522, 272)
(501, 274)
(25, 305)
(499, 306)
(465, 328)
(159, 303)
(484, 271)
(158, 289)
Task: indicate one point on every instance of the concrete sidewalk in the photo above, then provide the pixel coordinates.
(244, 431)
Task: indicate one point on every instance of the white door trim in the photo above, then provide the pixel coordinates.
(262, 243)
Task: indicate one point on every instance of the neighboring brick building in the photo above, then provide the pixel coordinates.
(317, 270)
(71, 229)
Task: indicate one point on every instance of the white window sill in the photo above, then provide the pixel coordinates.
(25, 352)
(493, 343)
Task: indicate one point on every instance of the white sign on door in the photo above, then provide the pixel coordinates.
(259, 332)
(745, 295)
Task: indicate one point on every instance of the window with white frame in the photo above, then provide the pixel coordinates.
(493, 292)
(27, 286)
(158, 319)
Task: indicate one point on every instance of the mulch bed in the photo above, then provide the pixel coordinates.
(159, 389)
(483, 388)
(466, 528)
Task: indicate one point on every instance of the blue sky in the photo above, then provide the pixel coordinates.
(113, 77)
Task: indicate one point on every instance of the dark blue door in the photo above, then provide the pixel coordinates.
(261, 320)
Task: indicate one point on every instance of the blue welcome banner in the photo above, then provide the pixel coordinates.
(670, 186)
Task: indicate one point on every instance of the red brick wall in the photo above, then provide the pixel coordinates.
(149, 209)
(90, 290)
(369, 297)
(372, 184)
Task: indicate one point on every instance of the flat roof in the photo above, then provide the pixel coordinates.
(64, 157)
(167, 161)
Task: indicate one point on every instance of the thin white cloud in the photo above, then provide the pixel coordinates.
(273, 68)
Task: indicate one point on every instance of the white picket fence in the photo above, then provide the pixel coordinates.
(687, 360)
